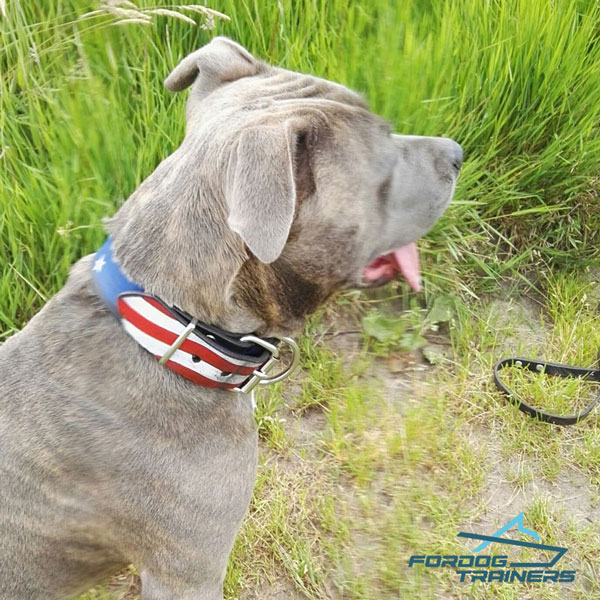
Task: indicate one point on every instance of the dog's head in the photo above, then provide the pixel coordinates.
(285, 190)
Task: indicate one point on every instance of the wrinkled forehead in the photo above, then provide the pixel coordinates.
(281, 85)
(279, 93)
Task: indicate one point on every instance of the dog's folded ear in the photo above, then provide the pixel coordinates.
(218, 62)
(261, 192)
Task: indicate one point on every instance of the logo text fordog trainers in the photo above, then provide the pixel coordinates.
(487, 568)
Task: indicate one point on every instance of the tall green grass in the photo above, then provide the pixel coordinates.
(84, 117)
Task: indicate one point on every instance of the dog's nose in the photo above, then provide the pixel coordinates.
(456, 152)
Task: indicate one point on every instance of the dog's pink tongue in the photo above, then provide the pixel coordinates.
(407, 262)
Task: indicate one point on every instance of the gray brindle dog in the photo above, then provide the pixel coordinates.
(285, 190)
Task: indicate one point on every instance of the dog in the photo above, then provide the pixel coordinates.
(285, 190)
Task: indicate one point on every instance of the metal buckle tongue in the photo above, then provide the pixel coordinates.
(263, 375)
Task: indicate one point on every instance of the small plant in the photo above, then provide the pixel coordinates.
(405, 331)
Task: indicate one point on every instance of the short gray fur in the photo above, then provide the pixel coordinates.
(283, 189)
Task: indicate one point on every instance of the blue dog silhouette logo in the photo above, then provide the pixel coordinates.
(496, 538)
(487, 568)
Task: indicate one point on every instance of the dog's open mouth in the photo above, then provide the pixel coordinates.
(404, 260)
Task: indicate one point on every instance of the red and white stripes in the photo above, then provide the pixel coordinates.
(152, 326)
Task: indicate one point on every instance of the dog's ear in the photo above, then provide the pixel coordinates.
(220, 61)
(262, 192)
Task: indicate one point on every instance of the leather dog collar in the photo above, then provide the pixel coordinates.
(591, 375)
(201, 353)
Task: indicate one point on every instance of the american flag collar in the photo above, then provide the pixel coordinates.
(201, 353)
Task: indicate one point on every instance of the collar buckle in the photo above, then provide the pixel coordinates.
(175, 345)
(262, 376)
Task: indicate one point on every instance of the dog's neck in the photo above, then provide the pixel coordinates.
(203, 354)
(171, 238)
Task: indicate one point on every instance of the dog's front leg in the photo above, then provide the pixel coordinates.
(194, 569)
(165, 587)
(188, 530)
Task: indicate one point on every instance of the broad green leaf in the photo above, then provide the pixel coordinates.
(442, 310)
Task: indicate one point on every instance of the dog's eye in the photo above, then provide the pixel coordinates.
(301, 141)
(384, 191)
(386, 128)
(305, 182)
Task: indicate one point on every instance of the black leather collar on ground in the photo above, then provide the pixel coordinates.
(555, 369)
